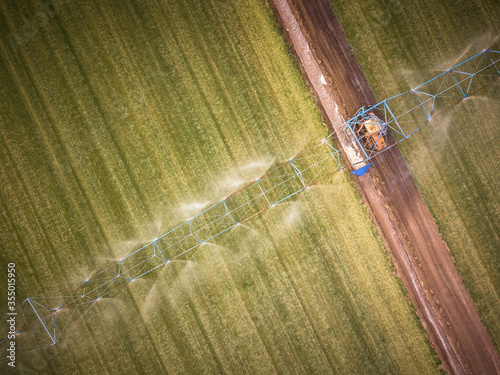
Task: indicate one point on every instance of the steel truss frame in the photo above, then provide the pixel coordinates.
(402, 115)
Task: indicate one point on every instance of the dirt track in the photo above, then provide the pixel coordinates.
(397, 207)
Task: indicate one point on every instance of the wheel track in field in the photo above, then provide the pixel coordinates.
(422, 258)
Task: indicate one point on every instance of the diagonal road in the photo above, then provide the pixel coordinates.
(422, 258)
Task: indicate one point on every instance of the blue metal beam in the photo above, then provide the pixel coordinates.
(278, 185)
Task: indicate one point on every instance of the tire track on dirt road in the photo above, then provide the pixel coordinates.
(422, 258)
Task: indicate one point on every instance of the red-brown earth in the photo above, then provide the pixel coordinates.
(422, 258)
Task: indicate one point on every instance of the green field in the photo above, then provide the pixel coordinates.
(454, 161)
(118, 122)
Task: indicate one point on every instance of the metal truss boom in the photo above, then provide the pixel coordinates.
(402, 115)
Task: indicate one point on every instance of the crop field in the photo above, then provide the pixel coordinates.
(455, 159)
(119, 122)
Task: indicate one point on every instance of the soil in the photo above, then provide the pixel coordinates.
(422, 258)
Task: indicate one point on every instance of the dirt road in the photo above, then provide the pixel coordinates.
(422, 258)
